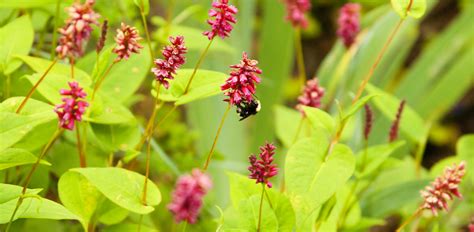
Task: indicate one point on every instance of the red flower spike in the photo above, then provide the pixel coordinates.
(369, 119)
(349, 23)
(295, 12)
(241, 85)
(396, 123)
(173, 59)
(311, 95)
(188, 196)
(127, 42)
(73, 106)
(262, 170)
(223, 17)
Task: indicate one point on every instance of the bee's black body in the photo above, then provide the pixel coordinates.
(246, 109)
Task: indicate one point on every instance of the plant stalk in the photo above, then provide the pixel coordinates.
(300, 56)
(82, 156)
(149, 126)
(198, 64)
(410, 219)
(147, 33)
(56, 25)
(101, 80)
(208, 160)
(260, 208)
(32, 90)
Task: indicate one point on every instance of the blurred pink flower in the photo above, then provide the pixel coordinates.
(295, 12)
(311, 95)
(188, 196)
(393, 135)
(349, 23)
(127, 42)
(263, 169)
(73, 106)
(77, 30)
(241, 84)
(173, 58)
(223, 15)
(443, 188)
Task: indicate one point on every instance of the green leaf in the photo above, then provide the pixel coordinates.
(123, 187)
(286, 125)
(143, 5)
(414, 8)
(109, 112)
(32, 206)
(465, 151)
(20, 125)
(117, 136)
(319, 118)
(109, 213)
(127, 227)
(25, 3)
(308, 185)
(16, 38)
(40, 65)
(12, 157)
(356, 106)
(78, 195)
(205, 84)
(411, 123)
(245, 218)
(368, 161)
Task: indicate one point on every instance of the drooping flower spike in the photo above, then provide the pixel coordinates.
(73, 106)
(127, 42)
(77, 30)
(262, 170)
(241, 85)
(188, 196)
(443, 188)
(349, 23)
(223, 18)
(296, 10)
(173, 59)
(311, 95)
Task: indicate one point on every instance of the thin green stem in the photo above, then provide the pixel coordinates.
(71, 61)
(198, 64)
(82, 157)
(260, 209)
(300, 56)
(149, 126)
(208, 160)
(30, 174)
(169, 16)
(142, 141)
(56, 25)
(410, 219)
(420, 150)
(32, 90)
(185, 225)
(147, 33)
(101, 80)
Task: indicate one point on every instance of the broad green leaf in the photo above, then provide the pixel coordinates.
(20, 125)
(109, 213)
(241, 188)
(319, 118)
(32, 206)
(308, 185)
(25, 3)
(193, 38)
(127, 227)
(12, 157)
(78, 195)
(286, 125)
(109, 112)
(143, 5)
(392, 198)
(465, 151)
(414, 8)
(356, 106)
(123, 187)
(16, 38)
(411, 123)
(40, 65)
(205, 84)
(117, 136)
(346, 205)
(368, 161)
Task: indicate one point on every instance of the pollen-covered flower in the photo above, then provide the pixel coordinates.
(241, 84)
(311, 95)
(295, 12)
(173, 58)
(349, 23)
(127, 42)
(223, 17)
(188, 194)
(73, 106)
(443, 189)
(396, 123)
(77, 30)
(263, 169)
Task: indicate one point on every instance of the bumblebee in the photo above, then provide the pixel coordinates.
(246, 109)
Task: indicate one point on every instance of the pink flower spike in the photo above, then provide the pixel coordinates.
(349, 23)
(73, 106)
(77, 30)
(295, 12)
(173, 59)
(443, 188)
(393, 135)
(127, 42)
(262, 170)
(223, 17)
(188, 196)
(311, 95)
(241, 85)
